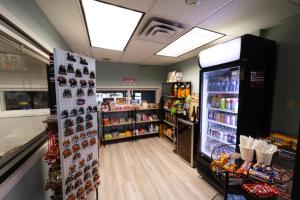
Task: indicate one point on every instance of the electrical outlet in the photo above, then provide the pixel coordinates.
(291, 104)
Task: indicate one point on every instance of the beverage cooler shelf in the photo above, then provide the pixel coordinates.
(222, 110)
(223, 92)
(223, 124)
(223, 142)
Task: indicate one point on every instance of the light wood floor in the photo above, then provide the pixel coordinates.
(148, 169)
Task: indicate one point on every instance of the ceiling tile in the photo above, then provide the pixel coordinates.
(99, 54)
(178, 11)
(73, 36)
(249, 16)
(64, 13)
(81, 49)
(159, 60)
(139, 50)
(138, 5)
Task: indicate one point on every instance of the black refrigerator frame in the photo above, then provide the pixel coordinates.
(255, 102)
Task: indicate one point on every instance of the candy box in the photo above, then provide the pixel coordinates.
(259, 190)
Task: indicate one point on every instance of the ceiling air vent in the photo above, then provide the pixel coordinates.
(161, 31)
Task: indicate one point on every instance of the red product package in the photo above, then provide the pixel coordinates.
(260, 190)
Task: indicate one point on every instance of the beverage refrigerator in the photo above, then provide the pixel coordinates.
(236, 90)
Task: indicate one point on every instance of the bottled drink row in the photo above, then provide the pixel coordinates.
(224, 102)
(221, 133)
(170, 118)
(212, 144)
(225, 118)
(226, 82)
(181, 90)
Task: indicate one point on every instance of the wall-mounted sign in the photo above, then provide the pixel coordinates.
(129, 82)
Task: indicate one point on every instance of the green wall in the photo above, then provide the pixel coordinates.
(191, 72)
(287, 87)
(111, 74)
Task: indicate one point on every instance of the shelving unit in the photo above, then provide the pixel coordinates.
(132, 126)
(167, 94)
(139, 124)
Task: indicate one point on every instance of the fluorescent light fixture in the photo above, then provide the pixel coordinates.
(109, 26)
(221, 53)
(191, 40)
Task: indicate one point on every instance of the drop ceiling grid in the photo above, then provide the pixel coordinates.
(174, 10)
(232, 17)
(141, 6)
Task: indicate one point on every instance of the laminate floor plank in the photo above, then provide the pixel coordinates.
(148, 169)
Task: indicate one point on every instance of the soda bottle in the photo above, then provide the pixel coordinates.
(227, 119)
(187, 90)
(228, 104)
(179, 90)
(175, 90)
(222, 104)
(227, 83)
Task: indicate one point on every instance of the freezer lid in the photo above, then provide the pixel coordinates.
(223, 53)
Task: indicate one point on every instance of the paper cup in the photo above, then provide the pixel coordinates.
(246, 154)
(263, 158)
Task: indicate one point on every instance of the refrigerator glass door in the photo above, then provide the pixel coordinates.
(220, 89)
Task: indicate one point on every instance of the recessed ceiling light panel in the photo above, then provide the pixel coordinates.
(109, 26)
(191, 40)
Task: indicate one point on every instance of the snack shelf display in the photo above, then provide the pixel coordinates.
(129, 124)
(173, 96)
(247, 180)
(75, 82)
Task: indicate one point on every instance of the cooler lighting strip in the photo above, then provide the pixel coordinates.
(221, 53)
(193, 39)
(109, 26)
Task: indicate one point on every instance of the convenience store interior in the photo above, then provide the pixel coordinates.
(159, 71)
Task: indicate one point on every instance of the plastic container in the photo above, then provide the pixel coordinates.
(263, 158)
(247, 154)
